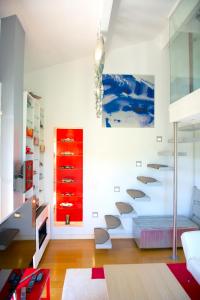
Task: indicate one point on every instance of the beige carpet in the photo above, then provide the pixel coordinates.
(78, 285)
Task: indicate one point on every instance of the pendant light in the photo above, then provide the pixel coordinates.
(99, 58)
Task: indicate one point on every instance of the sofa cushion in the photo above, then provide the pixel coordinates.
(191, 242)
(193, 265)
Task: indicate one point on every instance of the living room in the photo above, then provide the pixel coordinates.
(82, 190)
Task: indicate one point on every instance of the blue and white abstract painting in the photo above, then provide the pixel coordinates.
(128, 101)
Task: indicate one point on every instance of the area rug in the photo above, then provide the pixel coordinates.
(79, 285)
(186, 279)
(89, 284)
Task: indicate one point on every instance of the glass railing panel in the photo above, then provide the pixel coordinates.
(184, 49)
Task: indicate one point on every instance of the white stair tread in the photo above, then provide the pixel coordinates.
(146, 179)
(124, 207)
(112, 222)
(186, 140)
(157, 166)
(190, 127)
(131, 215)
(106, 245)
(171, 153)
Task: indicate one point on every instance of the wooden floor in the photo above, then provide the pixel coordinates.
(64, 254)
(17, 255)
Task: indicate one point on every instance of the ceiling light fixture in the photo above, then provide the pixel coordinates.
(99, 66)
(17, 215)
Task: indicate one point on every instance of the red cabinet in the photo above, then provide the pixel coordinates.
(69, 175)
(28, 174)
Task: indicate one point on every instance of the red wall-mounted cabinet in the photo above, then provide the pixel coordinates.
(69, 175)
(28, 175)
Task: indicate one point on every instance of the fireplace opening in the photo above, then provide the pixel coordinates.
(42, 232)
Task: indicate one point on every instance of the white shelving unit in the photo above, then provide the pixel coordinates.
(34, 143)
(34, 151)
(41, 162)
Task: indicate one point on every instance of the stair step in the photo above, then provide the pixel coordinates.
(102, 238)
(171, 153)
(112, 222)
(101, 235)
(190, 127)
(124, 207)
(146, 180)
(135, 193)
(6, 237)
(186, 140)
(156, 166)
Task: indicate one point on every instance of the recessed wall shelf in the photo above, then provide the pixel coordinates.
(69, 175)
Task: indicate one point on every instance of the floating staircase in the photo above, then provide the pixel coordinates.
(114, 223)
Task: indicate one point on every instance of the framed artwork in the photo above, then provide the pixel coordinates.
(128, 101)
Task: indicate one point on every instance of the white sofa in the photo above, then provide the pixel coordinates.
(191, 246)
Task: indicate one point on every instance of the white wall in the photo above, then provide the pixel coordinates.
(109, 154)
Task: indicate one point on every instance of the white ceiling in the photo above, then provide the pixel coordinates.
(136, 21)
(56, 30)
(64, 30)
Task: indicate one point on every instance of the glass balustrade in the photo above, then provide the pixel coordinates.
(184, 49)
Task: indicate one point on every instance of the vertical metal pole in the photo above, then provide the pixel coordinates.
(174, 253)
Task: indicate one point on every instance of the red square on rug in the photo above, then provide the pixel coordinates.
(98, 273)
(186, 279)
